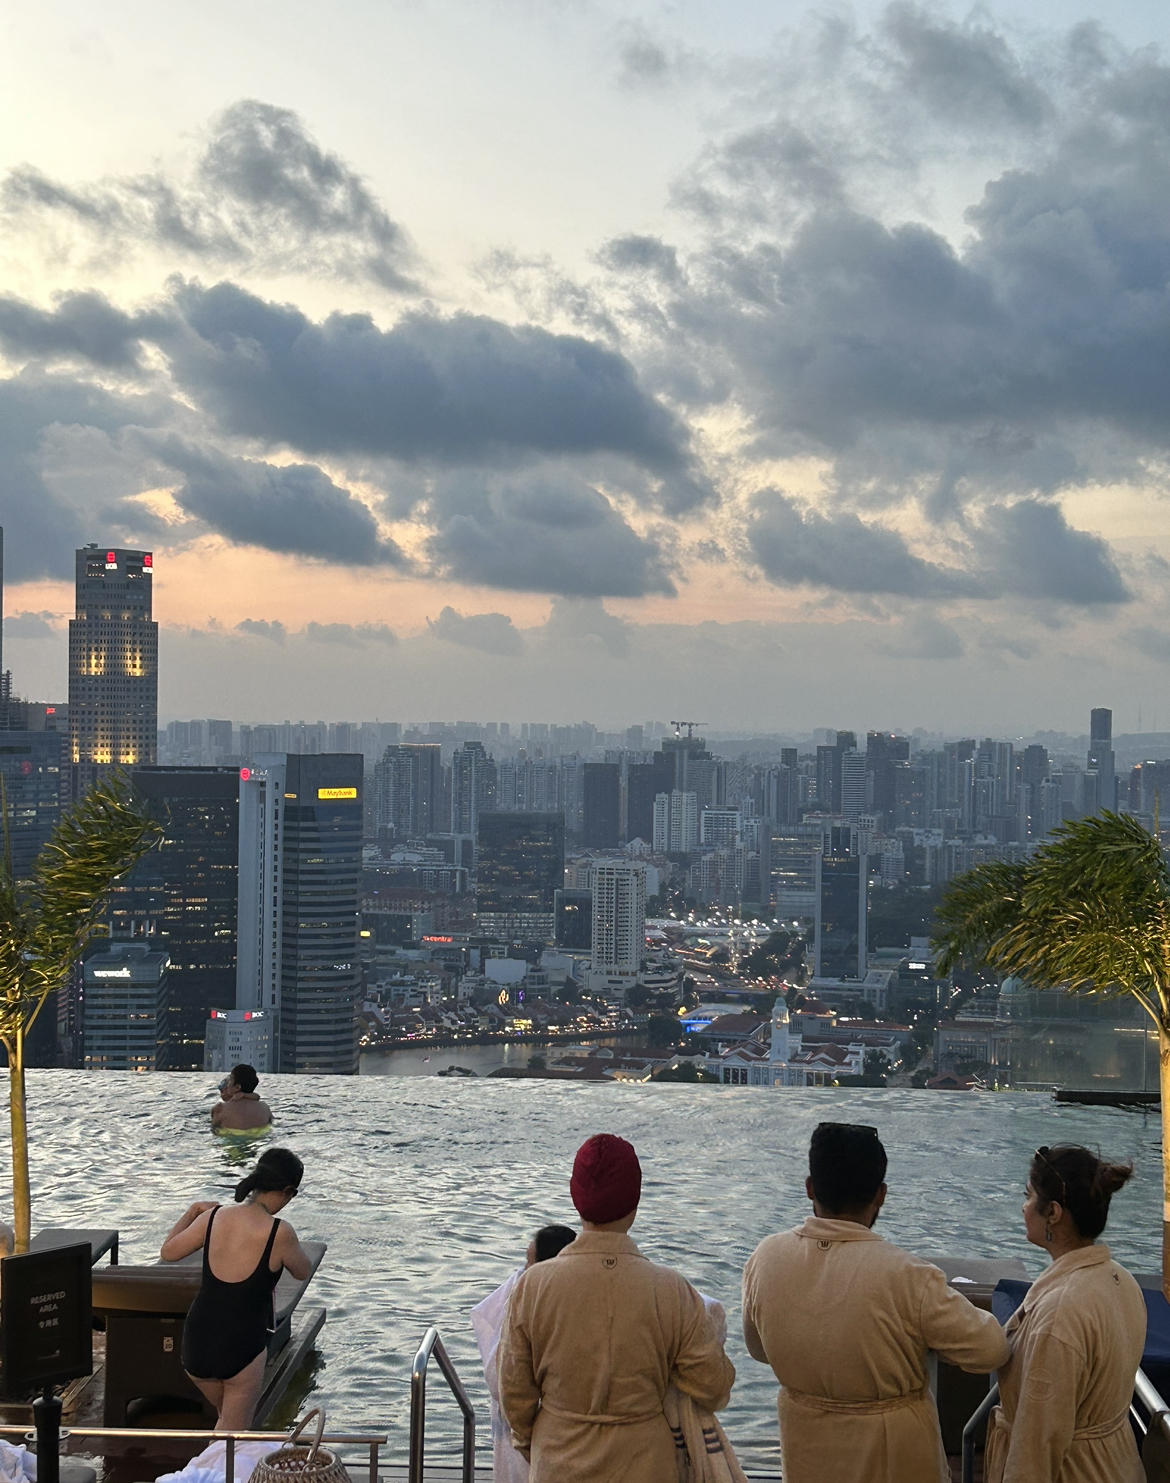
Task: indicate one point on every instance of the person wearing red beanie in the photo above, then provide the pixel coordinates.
(594, 1338)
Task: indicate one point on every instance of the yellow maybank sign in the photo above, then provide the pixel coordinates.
(336, 792)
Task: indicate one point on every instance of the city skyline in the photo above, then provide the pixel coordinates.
(796, 358)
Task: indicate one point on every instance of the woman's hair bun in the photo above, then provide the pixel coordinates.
(276, 1170)
(1109, 1178)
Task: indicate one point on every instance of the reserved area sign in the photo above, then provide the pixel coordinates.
(46, 1319)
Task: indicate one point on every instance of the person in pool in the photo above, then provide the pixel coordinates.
(245, 1249)
(240, 1109)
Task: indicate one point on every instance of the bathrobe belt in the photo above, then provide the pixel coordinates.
(600, 1418)
(854, 1408)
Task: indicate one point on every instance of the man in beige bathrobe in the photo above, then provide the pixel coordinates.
(845, 1320)
(594, 1337)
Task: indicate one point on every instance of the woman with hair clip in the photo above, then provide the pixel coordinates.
(1077, 1338)
(245, 1249)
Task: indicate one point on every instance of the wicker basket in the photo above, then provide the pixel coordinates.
(307, 1463)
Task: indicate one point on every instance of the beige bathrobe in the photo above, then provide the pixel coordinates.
(845, 1320)
(591, 1342)
(1077, 1341)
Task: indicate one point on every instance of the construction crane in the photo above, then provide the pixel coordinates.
(690, 725)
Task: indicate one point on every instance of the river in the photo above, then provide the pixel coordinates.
(427, 1190)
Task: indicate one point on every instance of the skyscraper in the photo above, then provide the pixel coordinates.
(619, 924)
(842, 906)
(113, 665)
(473, 787)
(180, 899)
(408, 784)
(1100, 761)
(300, 881)
(602, 805)
(520, 868)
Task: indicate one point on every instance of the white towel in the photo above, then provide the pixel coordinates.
(211, 1464)
(17, 1464)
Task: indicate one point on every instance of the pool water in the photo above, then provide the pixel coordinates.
(427, 1190)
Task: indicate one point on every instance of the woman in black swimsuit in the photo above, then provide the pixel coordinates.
(245, 1249)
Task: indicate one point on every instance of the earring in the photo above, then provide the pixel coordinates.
(1048, 1233)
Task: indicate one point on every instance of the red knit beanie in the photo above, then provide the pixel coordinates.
(607, 1179)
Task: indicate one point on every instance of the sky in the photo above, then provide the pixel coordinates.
(494, 359)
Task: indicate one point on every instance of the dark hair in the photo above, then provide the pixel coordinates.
(847, 1163)
(551, 1240)
(1083, 1183)
(276, 1169)
(245, 1077)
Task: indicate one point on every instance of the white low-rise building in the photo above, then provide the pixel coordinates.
(787, 1061)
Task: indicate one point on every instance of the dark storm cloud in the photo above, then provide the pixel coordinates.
(1032, 551)
(796, 547)
(490, 633)
(1034, 356)
(458, 390)
(42, 525)
(82, 326)
(263, 195)
(42, 625)
(542, 533)
(294, 508)
(639, 254)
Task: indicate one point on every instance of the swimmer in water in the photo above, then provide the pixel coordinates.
(240, 1109)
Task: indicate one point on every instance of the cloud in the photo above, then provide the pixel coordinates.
(921, 638)
(576, 623)
(264, 196)
(544, 532)
(456, 390)
(83, 326)
(797, 546)
(638, 254)
(261, 628)
(350, 635)
(42, 625)
(1032, 551)
(294, 508)
(491, 633)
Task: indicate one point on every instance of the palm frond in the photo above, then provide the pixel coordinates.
(1089, 913)
(45, 924)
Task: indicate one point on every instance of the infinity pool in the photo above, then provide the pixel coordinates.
(427, 1190)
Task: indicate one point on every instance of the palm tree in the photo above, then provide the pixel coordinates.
(45, 922)
(1088, 913)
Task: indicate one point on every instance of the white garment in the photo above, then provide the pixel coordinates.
(702, 1451)
(487, 1321)
(17, 1464)
(211, 1464)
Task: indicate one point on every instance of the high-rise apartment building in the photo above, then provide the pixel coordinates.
(602, 788)
(619, 925)
(408, 791)
(676, 823)
(113, 665)
(574, 918)
(473, 787)
(520, 868)
(644, 782)
(883, 751)
(300, 884)
(35, 775)
(181, 899)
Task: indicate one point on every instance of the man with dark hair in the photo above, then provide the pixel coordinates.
(846, 1320)
(240, 1109)
(594, 1340)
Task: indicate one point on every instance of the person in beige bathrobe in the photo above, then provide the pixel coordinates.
(594, 1338)
(1077, 1338)
(846, 1320)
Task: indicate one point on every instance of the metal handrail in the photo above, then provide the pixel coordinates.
(432, 1344)
(983, 1411)
(337, 1439)
(1157, 1413)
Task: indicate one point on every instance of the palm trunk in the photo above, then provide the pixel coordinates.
(1164, 1087)
(21, 1197)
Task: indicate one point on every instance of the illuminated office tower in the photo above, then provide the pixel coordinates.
(113, 665)
(300, 882)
